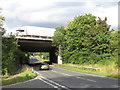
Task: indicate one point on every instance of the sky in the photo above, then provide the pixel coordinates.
(53, 13)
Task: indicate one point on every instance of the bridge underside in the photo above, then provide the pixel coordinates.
(38, 46)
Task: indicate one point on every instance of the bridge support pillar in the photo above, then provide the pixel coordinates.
(59, 60)
(53, 57)
(59, 57)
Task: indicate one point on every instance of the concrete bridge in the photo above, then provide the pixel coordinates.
(37, 39)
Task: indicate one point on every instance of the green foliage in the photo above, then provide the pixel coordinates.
(58, 36)
(12, 57)
(9, 57)
(114, 41)
(84, 40)
(43, 55)
(114, 47)
(2, 30)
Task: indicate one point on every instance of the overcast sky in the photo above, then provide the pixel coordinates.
(53, 13)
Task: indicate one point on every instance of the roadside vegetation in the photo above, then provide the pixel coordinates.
(25, 73)
(42, 56)
(41, 59)
(87, 41)
(12, 57)
(12, 62)
(104, 70)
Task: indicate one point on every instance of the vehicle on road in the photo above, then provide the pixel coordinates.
(44, 66)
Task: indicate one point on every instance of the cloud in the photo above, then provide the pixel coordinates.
(110, 12)
(52, 13)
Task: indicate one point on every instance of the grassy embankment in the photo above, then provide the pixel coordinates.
(110, 69)
(24, 74)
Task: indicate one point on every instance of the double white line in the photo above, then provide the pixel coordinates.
(52, 83)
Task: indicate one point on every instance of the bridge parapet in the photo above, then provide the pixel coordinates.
(35, 37)
(32, 37)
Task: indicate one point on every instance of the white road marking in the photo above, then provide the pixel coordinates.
(91, 80)
(76, 77)
(54, 83)
(81, 78)
(48, 83)
(61, 73)
(86, 79)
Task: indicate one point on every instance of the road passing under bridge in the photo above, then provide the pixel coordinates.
(38, 45)
(36, 39)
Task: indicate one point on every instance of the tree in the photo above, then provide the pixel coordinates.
(11, 54)
(114, 41)
(77, 38)
(59, 36)
(59, 40)
(86, 40)
(2, 30)
(1, 33)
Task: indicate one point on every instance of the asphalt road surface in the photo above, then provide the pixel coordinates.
(58, 79)
(34, 60)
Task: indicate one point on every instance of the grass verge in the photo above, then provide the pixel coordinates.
(26, 74)
(102, 73)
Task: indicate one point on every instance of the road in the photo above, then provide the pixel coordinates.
(60, 78)
(34, 60)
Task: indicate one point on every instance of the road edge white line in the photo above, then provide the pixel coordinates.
(55, 83)
(48, 83)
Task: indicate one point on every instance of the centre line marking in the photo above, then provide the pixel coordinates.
(61, 73)
(91, 80)
(86, 79)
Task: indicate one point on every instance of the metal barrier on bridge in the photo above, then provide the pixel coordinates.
(34, 37)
